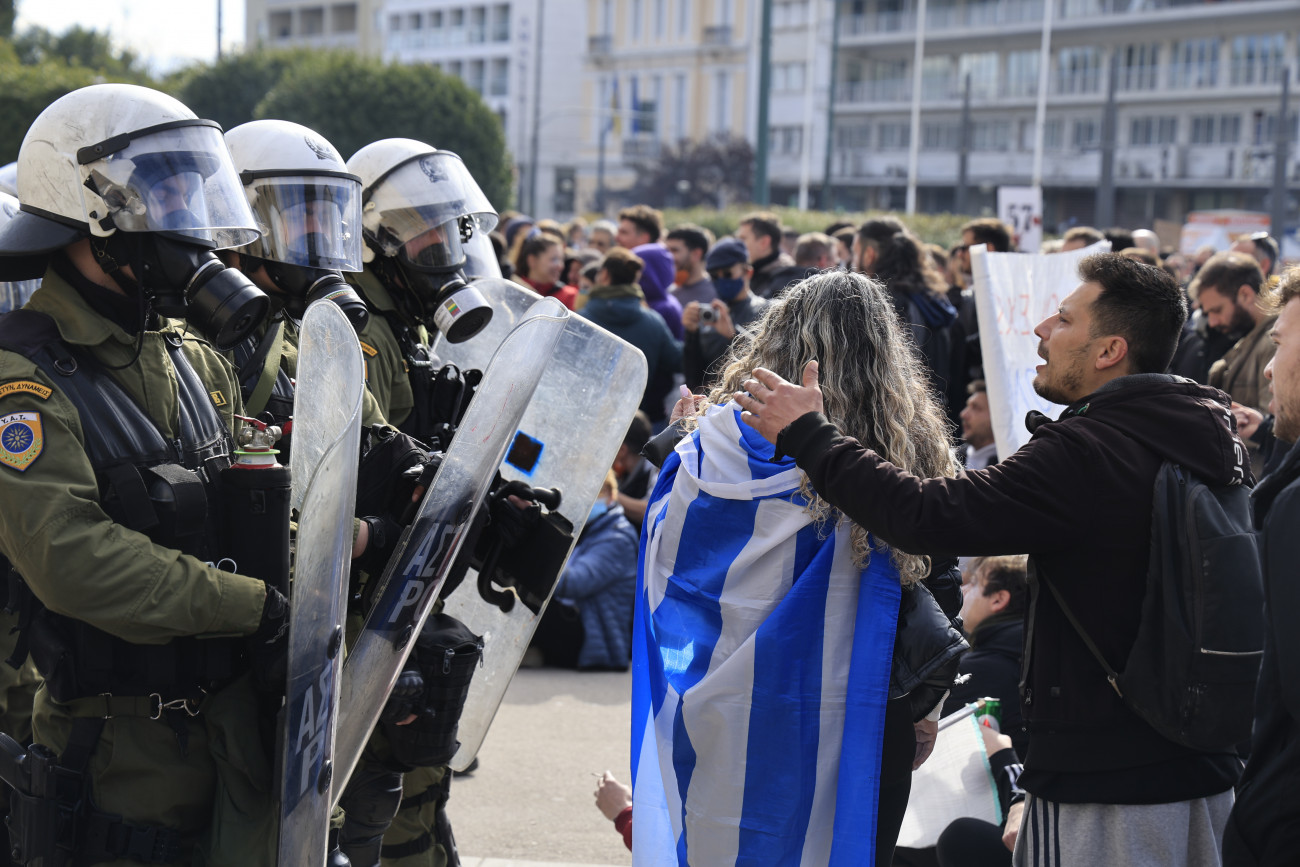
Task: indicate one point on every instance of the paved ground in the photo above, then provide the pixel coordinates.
(530, 802)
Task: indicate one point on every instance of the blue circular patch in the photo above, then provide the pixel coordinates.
(17, 438)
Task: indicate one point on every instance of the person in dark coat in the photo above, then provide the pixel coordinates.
(616, 305)
(588, 623)
(1078, 499)
(1264, 828)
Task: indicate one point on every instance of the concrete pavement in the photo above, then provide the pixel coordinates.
(530, 802)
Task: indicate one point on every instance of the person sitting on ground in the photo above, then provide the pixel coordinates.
(588, 623)
(636, 474)
(708, 334)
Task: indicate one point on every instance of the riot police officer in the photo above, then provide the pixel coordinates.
(421, 208)
(115, 423)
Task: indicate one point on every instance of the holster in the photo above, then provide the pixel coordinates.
(447, 653)
(45, 801)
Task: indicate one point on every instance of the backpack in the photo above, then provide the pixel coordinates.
(1192, 670)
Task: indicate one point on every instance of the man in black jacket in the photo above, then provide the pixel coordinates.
(1265, 824)
(1104, 787)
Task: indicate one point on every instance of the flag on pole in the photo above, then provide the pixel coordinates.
(634, 102)
(761, 663)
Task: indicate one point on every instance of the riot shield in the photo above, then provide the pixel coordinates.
(427, 550)
(567, 439)
(326, 440)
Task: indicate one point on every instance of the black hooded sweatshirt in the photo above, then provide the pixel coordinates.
(1077, 498)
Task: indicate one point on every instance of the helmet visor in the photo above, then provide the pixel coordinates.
(178, 180)
(437, 249)
(422, 194)
(310, 221)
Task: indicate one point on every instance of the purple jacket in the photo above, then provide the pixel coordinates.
(656, 280)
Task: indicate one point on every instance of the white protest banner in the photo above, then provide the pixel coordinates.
(1013, 293)
(955, 782)
(1021, 208)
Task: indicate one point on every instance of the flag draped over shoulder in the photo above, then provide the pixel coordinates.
(761, 661)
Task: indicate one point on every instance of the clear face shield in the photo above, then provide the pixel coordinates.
(422, 214)
(175, 178)
(311, 221)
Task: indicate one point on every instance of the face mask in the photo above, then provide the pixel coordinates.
(729, 288)
(303, 286)
(598, 508)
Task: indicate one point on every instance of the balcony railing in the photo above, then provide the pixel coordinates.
(719, 34)
(1074, 82)
(600, 46)
(1193, 76)
(640, 149)
(1244, 74)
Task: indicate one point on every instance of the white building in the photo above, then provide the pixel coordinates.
(1197, 98)
(312, 23)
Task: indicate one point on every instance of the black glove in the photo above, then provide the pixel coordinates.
(407, 695)
(268, 647)
(384, 535)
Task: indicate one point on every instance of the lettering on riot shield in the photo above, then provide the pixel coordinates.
(404, 599)
(309, 725)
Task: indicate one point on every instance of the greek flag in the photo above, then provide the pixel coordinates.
(761, 661)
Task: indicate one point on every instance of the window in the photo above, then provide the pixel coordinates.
(312, 21)
(394, 22)
(281, 25)
(1257, 59)
(679, 106)
(983, 70)
(1195, 64)
(1022, 74)
(724, 12)
(415, 21)
(1265, 129)
(936, 79)
(1087, 135)
(683, 17)
(343, 18)
(1147, 131)
(1078, 70)
(990, 135)
(1216, 129)
(721, 102)
(478, 24)
(476, 76)
(1139, 66)
(660, 18)
(895, 136)
(786, 140)
(501, 23)
(789, 13)
(637, 12)
(788, 77)
(650, 117)
(435, 20)
(940, 137)
(606, 17)
(499, 79)
(853, 136)
(1053, 134)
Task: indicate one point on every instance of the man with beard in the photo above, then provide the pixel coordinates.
(1104, 786)
(1227, 289)
(1265, 824)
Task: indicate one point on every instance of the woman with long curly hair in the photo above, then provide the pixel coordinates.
(766, 620)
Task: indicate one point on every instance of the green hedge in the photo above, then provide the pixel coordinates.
(942, 229)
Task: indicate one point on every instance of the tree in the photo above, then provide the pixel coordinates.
(25, 91)
(229, 90)
(709, 173)
(353, 101)
(7, 14)
(80, 47)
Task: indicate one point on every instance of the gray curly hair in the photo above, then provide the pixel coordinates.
(875, 385)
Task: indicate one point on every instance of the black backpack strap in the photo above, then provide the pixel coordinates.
(1111, 675)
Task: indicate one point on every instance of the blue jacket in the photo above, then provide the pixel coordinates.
(601, 580)
(625, 316)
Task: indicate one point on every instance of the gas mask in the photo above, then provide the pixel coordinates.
(187, 281)
(304, 286)
(433, 273)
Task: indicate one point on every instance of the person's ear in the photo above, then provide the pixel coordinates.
(1246, 295)
(1114, 350)
(1000, 600)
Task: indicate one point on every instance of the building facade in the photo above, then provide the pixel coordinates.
(313, 24)
(1197, 99)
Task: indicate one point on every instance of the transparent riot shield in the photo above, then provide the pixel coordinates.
(326, 440)
(427, 550)
(567, 440)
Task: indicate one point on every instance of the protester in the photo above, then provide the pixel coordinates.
(774, 270)
(538, 266)
(776, 558)
(970, 842)
(886, 250)
(814, 252)
(637, 225)
(710, 329)
(689, 245)
(616, 304)
(614, 800)
(1140, 254)
(978, 450)
(1228, 291)
(588, 622)
(656, 281)
(1262, 247)
(575, 233)
(1104, 786)
(1264, 827)
(636, 474)
(1080, 237)
(600, 237)
(844, 246)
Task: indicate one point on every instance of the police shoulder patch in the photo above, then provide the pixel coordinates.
(21, 440)
(218, 399)
(26, 386)
(368, 349)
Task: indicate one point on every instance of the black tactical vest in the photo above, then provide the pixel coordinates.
(165, 489)
(250, 359)
(441, 394)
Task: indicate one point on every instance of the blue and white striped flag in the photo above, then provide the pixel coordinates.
(761, 661)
